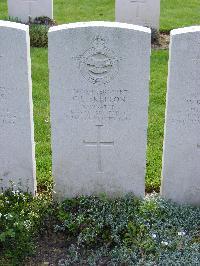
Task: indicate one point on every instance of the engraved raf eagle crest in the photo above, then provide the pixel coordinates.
(98, 64)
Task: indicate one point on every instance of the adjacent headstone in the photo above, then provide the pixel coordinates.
(181, 160)
(17, 163)
(99, 86)
(139, 12)
(25, 10)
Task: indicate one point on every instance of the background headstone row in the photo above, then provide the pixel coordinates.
(138, 12)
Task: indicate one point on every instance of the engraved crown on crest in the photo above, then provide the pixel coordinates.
(98, 64)
(99, 43)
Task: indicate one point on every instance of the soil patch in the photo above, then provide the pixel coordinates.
(50, 250)
(162, 43)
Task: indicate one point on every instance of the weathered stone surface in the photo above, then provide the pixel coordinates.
(25, 9)
(99, 85)
(17, 163)
(139, 12)
(181, 167)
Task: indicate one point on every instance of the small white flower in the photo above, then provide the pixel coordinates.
(0, 215)
(27, 224)
(154, 235)
(181, 233)
(8, 215)
(165, 243)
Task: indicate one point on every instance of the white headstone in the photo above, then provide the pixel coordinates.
(17, 162)
(181, 160)
(138, 12)
(99, 83)
(25, 9)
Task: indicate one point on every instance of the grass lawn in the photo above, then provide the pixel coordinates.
(174, 13)
(158, 84)
(41, 114)
(179, 13)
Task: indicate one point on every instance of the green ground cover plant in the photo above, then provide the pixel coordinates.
(21, 220)
(38, 29)
(39, 35)
(129, 231)
(100, 231)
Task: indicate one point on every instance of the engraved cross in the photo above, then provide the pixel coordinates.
(30, 2)
(138, 2)
(99, 144)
